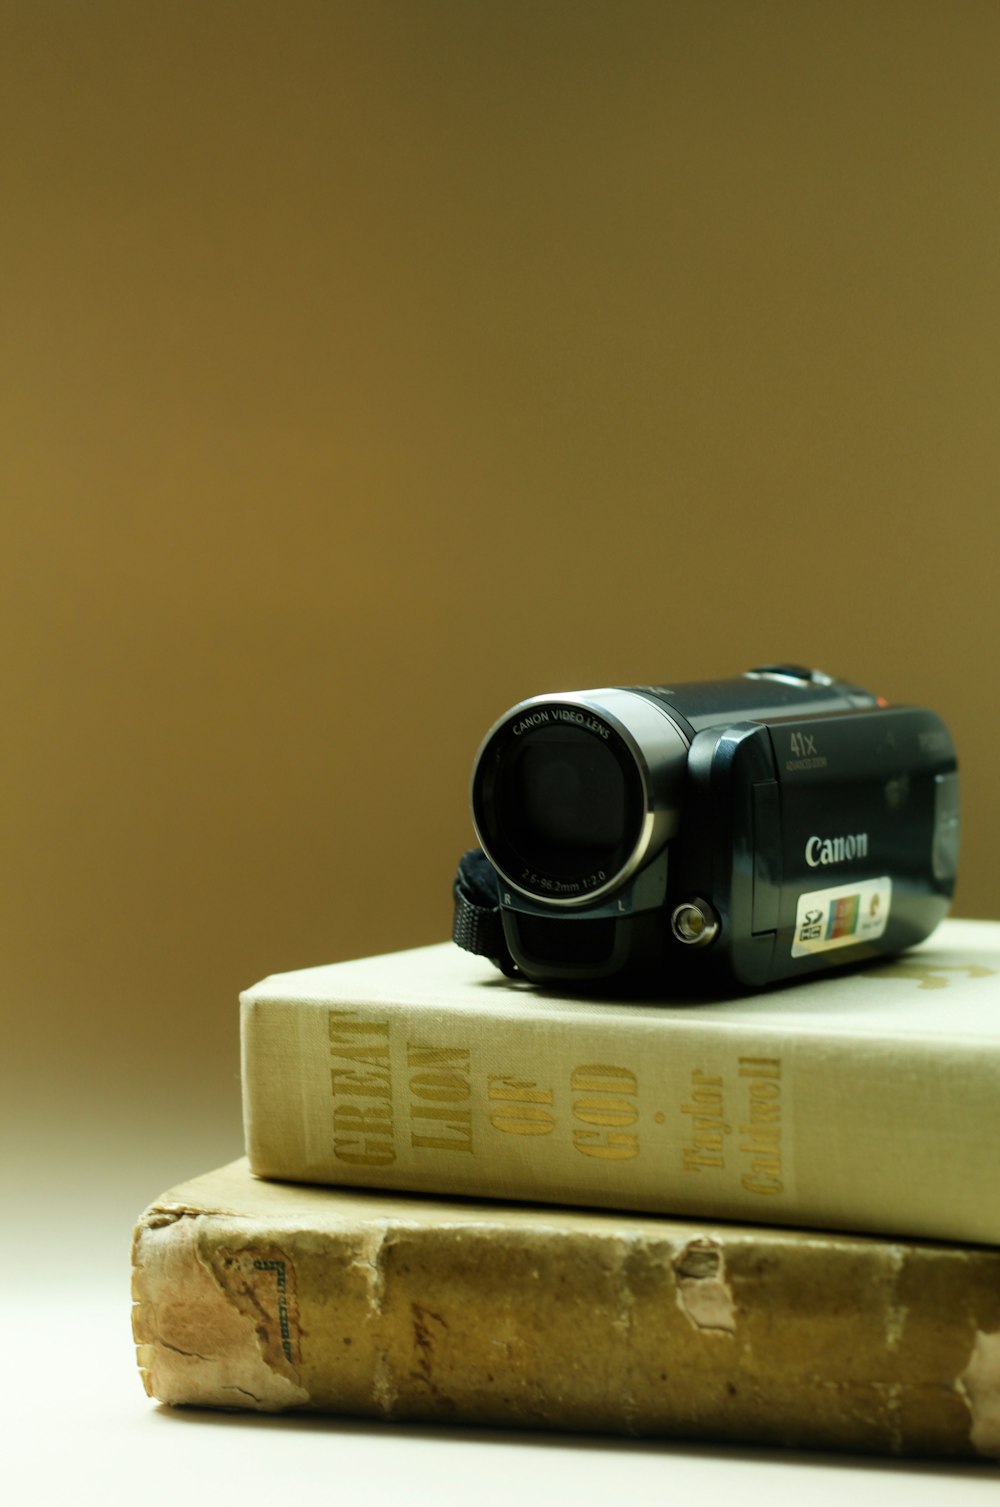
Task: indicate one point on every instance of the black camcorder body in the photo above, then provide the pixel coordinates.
(708, 835)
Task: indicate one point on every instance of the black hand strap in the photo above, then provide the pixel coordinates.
(477, 925)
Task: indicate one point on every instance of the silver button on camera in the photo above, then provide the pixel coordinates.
(694, 923)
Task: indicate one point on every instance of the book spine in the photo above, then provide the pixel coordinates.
(631, 1329)
(621, 1110)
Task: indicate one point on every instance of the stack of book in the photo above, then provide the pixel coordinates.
(773, 1220)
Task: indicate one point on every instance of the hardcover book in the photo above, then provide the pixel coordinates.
(865, 1101)
(272, 1296)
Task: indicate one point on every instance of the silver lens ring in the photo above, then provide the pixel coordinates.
(628, 741)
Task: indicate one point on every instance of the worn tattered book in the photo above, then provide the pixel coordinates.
(866, 1101)
(253, 1294)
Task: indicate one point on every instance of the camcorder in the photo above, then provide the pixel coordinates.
(706, 836)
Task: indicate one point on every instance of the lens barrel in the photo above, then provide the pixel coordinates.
(573, 793)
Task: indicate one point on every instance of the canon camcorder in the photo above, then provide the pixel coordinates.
(706, 835)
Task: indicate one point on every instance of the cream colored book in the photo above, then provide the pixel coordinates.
(866, 1101)
(271, 1296)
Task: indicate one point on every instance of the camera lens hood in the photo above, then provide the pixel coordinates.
(575, 792)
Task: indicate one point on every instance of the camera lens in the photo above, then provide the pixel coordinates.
(565, 804)
(567, 799)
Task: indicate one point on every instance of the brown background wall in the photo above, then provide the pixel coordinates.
(369, 366)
